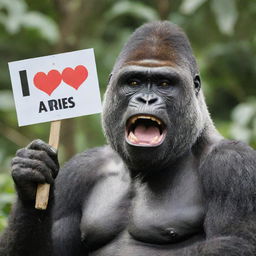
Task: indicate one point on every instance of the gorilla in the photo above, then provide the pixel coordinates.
(166, 184)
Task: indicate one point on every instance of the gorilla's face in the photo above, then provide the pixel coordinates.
(151, 113)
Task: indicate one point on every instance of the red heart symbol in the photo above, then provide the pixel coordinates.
(47, 82)
(75, 77)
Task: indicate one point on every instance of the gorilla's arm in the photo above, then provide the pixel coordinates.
(27, 233)
(229, 181)
(72, 188)
(28, 230)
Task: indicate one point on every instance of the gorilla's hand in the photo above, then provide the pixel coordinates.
(37, 163)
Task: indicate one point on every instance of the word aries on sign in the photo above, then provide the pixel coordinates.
(57, 104)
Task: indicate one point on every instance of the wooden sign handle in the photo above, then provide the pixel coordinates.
(42, 193)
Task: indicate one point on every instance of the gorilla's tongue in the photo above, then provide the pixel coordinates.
(147, 134)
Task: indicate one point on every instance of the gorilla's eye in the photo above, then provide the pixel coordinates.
(134, 82)
(164, 83)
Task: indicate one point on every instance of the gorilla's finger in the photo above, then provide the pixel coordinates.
(27, 175)
(41, 156)
(41, 145)
(35, 166)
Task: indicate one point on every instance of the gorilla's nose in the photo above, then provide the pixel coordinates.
(147, 98)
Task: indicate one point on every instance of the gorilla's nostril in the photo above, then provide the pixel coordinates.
(152, 101)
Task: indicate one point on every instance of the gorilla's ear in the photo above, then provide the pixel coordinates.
(197, 84)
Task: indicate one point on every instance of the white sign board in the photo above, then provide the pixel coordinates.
(55, 87)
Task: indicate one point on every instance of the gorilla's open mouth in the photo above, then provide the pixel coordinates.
(145, 130)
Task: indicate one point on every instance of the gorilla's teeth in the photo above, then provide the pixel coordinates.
(134, 119)
(132, 137)
(144, 117)
(155, 120)
(159, 123)
(155, 140)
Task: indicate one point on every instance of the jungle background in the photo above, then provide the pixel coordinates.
(222, 34)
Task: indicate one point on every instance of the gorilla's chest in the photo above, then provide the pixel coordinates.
(161, 214)
(169, 212)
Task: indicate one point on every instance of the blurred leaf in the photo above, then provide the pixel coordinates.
(3, 222)
(7, 198)
(226, 15)
(14, 6)
(6, 100)
(244, 121)
(243, 113)
(15, 11)
(241, 133)
(6, 183)
(190, 6)
(17, 17)
(46, 26)
(135, 9)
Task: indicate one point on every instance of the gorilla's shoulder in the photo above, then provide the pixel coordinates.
(227, 153)
(80, 174)
(89, 165)
(230, 162)
(95, 156)
(226, 149)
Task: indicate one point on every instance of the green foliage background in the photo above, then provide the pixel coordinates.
(222, 34)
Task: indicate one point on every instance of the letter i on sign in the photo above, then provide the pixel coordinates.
(66, 85)
(24, 83)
